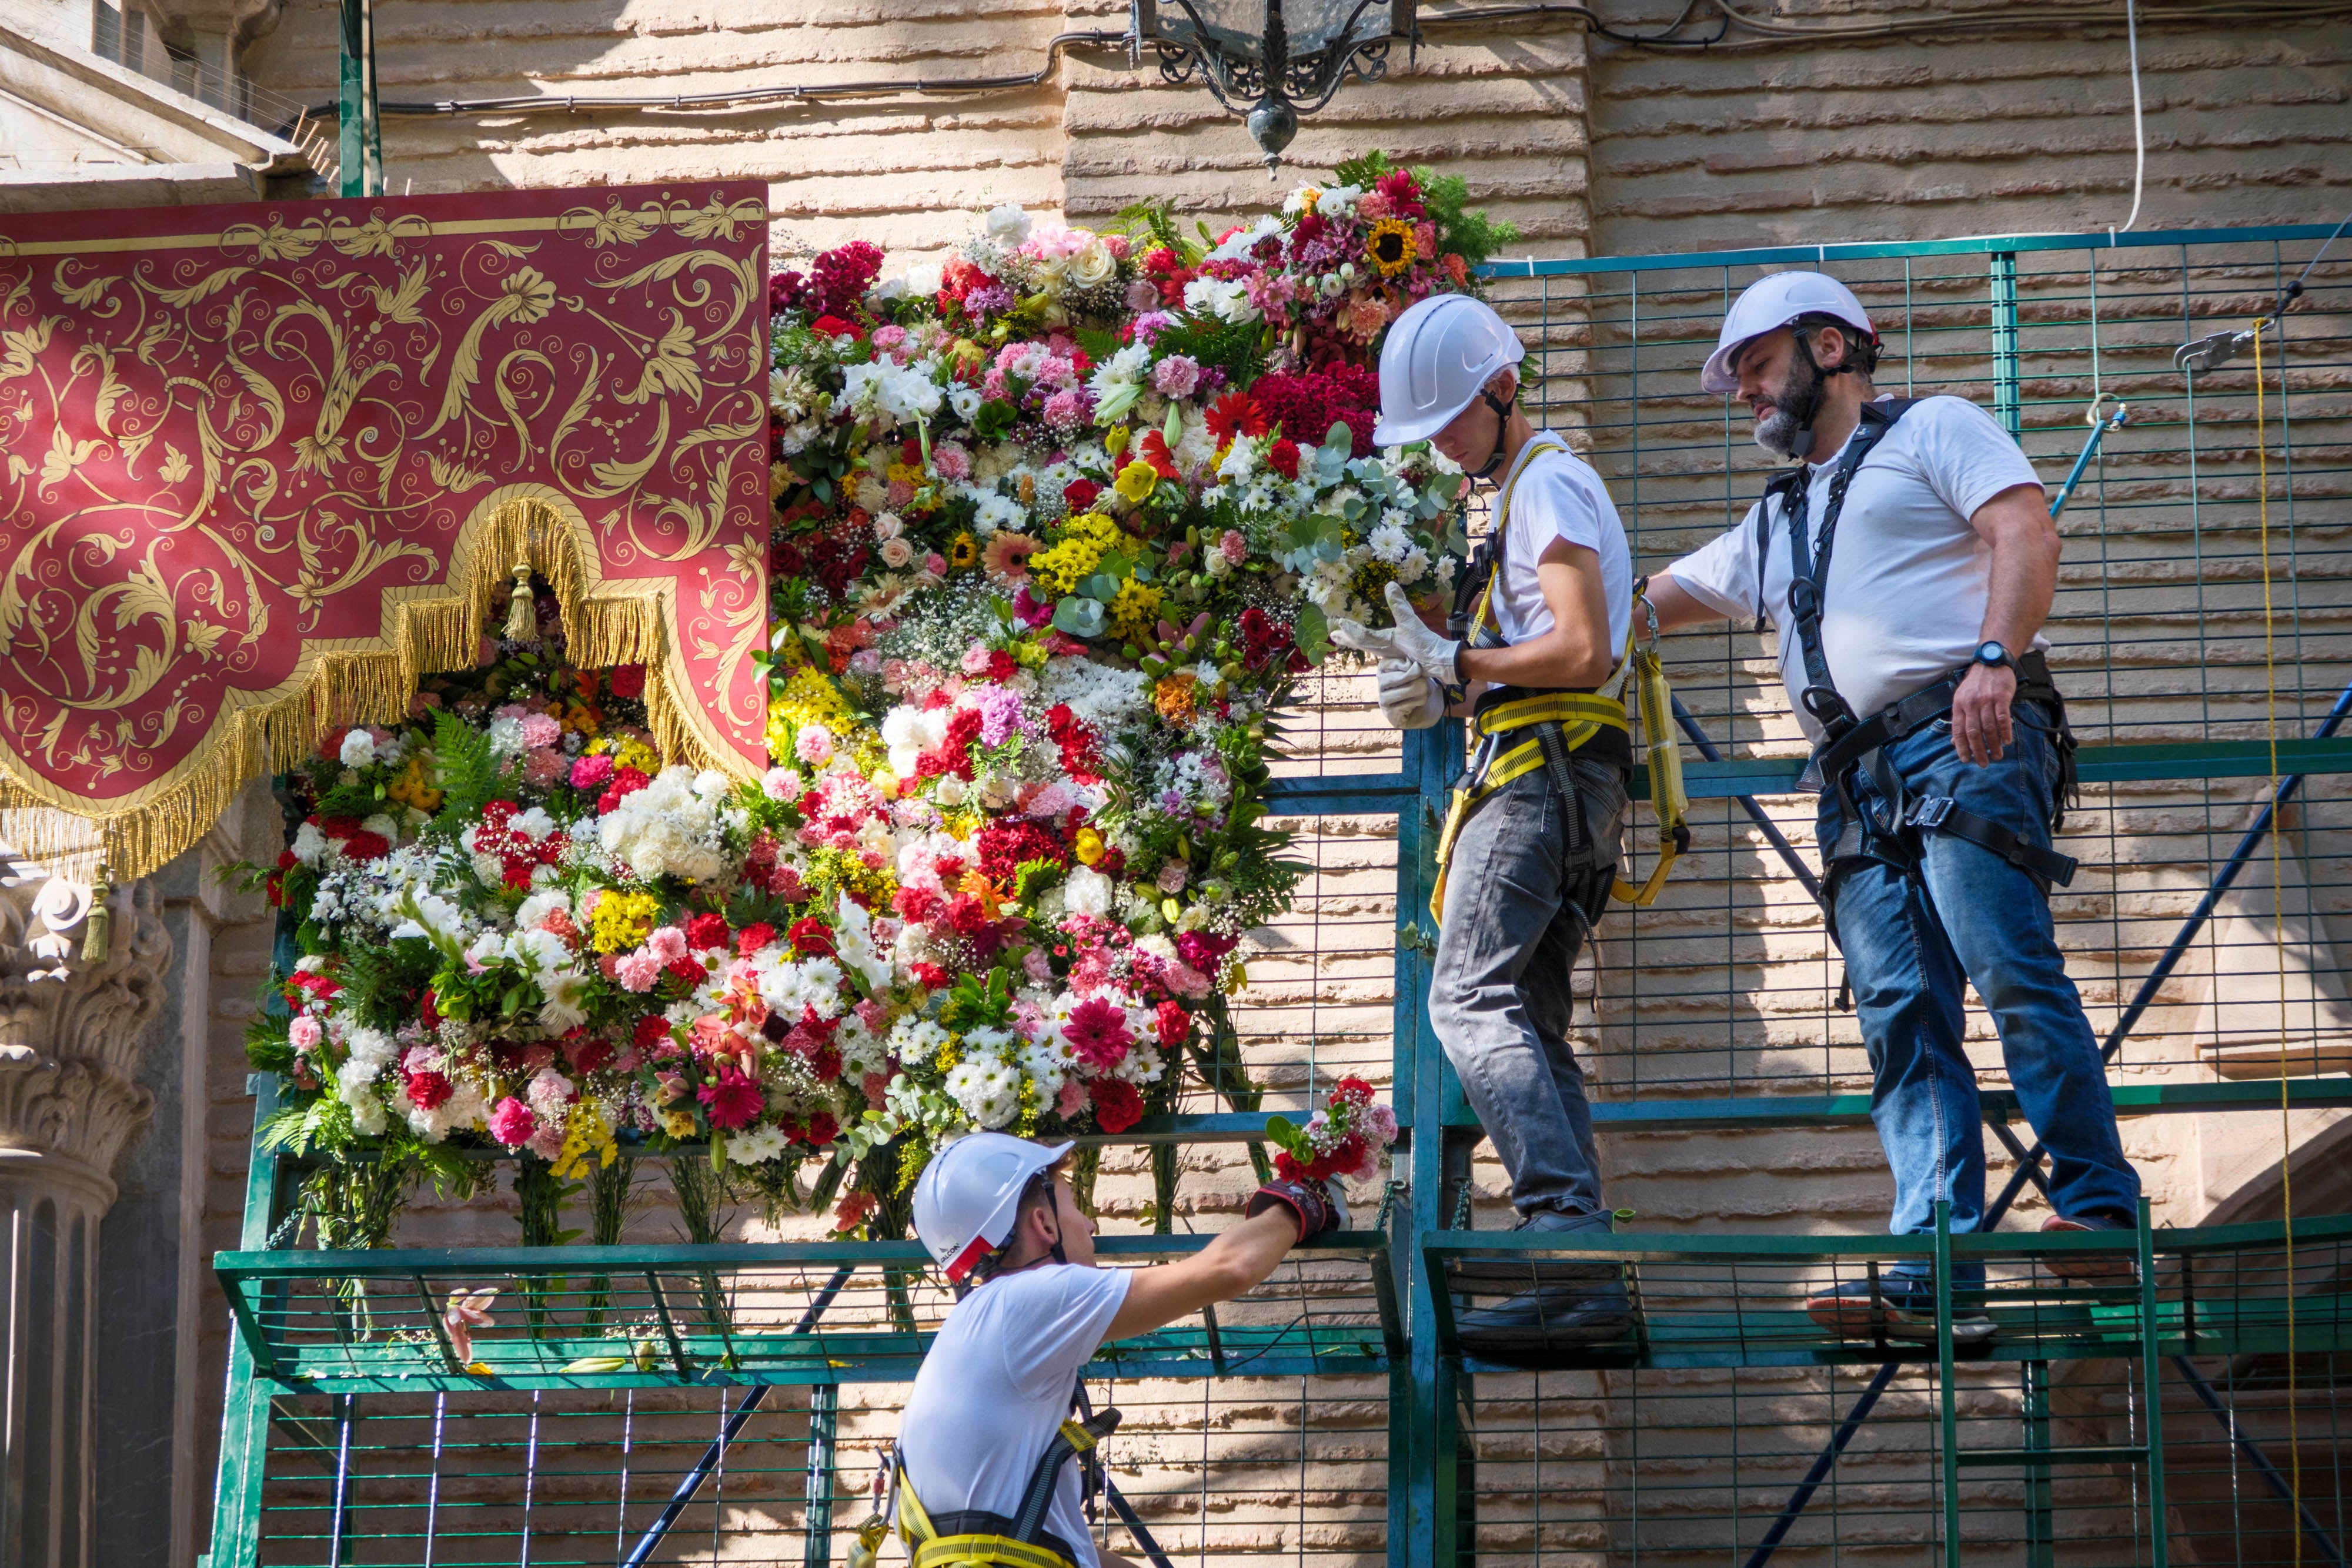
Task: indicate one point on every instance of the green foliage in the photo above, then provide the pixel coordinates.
(1238, 349)
(1470, 235)
(1363, 169)
(464, 770)
(1156, 221)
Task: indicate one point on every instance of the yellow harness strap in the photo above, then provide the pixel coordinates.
(928, 1548)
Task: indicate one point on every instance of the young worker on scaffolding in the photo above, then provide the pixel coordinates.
(1530, 850)
(1909, 562)
(982, 1471)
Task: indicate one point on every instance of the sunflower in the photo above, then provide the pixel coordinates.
(1390, 247)
(962, 551)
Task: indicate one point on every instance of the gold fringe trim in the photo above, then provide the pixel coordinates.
(361, 681)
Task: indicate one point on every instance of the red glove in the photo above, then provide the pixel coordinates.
(1316, 1208)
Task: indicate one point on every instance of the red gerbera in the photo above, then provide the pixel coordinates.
(1097, 1032)
(1153, 449)
(734, 1100)
(1235, 414)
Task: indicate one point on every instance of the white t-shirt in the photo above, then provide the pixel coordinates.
(996, 1387)
(1559, 496)
(1908, 581)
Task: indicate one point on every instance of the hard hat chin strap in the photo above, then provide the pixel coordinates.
(1807, 404)
(1502, 428)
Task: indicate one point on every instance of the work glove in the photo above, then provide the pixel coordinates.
(1409, 699)
(1316, 1205)
(1408, 641)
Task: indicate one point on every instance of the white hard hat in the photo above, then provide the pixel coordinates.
(969, 1195)
(1437, 356)
(1771, 303)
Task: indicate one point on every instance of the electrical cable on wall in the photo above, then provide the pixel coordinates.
(2139, 132)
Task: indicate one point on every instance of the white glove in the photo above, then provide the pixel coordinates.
(1408, 640)
(1409, 699)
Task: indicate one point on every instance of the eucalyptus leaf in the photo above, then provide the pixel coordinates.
(1079, 617)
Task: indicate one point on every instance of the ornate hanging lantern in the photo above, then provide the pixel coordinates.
(1272, 60)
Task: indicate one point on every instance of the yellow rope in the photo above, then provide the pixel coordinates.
(2278, 929)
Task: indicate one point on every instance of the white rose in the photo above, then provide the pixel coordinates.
(1091, 268)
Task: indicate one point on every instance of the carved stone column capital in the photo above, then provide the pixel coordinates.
(70, 1031)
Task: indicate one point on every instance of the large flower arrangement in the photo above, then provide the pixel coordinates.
(1059, 523)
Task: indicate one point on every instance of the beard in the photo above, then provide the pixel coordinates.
(1801, 387)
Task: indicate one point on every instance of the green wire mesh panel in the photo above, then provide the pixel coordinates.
(2173, 675)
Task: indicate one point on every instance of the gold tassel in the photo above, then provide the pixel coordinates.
(522, 614)
(98, 927)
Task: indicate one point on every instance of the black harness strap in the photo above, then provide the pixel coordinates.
(1849, 743)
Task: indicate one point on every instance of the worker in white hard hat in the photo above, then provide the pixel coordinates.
(984, 1468)
(1530, 848)
(1908, 561)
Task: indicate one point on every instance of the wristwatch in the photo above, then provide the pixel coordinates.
(1993, 655)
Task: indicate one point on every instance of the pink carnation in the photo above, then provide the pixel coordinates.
(668, 945)
(538, 729)
(591, 772)
(814, 744)
(1176, 375)
(637, 971)
(542, 766)
(1067, 409)
(511, 1123)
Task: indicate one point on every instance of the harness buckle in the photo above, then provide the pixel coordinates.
(1930, 811)
(1804, 600)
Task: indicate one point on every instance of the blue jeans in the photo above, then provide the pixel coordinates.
(1913, 942)
(1518, 904)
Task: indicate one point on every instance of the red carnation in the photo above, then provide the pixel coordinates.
(588, 1052)
(932, 977)
(1079, 494)
(835, 327)
(1283, 457)
(652, 1031)
(1173, 1023)
(918, 903)
(626, 682)
(706, 930)
(1117, 1105)
(689, 970)
(822, 1129)
(1004, 846)
(753, 937)
(429, 1091)
(812, 937)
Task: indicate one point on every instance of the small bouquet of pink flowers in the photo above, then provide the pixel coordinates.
(1348, 1137)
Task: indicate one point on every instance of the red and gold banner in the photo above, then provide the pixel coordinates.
(261, 466)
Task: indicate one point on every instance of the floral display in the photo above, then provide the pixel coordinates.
(1348, 1137)
(1060, 522)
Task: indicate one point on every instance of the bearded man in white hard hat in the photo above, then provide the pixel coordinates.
(1531, 846)
(983, 1470)
(1909, 562)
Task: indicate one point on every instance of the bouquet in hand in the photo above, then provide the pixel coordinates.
(1348, 1137)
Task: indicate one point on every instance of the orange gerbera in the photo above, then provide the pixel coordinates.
(1007, 556)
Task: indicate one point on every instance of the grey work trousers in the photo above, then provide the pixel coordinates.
(1522, 890)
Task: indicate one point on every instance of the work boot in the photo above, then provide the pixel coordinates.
(1504, 1276)
(1903, 1307)
(2088, 1267)
(1535, 1324)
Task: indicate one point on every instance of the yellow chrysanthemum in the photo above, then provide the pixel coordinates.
(621, 920)
(807, 698)
(1087, 846)
(586, 1136)
(1390, 247)
(1135, 608)
(1136, 481)
(1086, 538)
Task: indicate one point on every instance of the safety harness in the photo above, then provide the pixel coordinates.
(1850, 744)
(1520, 730)
(977, 1536)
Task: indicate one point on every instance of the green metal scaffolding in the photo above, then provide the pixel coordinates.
(2145, 1419)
